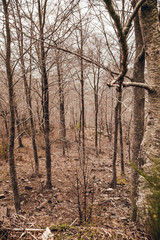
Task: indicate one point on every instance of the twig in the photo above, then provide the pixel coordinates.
(86, 58)
(32, 236)
(20, 216)
(25, 233)
(73, 222)
(25, 229)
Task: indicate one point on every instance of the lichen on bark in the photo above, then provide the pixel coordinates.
(150, 147)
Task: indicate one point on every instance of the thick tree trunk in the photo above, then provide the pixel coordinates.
(151, 36)
(45, 94)
(138, 110)
(12, 111)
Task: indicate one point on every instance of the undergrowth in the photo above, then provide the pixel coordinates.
(4, 149)
(153, 199)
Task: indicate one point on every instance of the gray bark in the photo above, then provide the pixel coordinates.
(151, 142)
(138, 110)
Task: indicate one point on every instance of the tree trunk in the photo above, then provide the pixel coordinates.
(27, 86)
(82, 100)
(96, 104)
(61, 102)
(12, 111)
(116, 121)
(120, 98)
(45, 94)
(6, 126)
(151, 37)
(96, 119)
(18, 128)
(138, 110)
(121, 132)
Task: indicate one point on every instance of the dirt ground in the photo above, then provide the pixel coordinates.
(109, 210)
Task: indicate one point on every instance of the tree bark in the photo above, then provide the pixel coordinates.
(61, 101)
(12, 167)
(45, 94)
(116, 121)
(138, 110)
(151, 36)
(121, 132)
(18, 128)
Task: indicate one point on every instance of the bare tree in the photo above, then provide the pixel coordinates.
(27, 83)
(12, 108)
(61, 99)
(95, 76)
(122, 33)
(45, 90)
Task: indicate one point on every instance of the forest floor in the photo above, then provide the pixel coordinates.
(109, 210)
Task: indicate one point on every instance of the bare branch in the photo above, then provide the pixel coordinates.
(122, 39)
(86, 58)
(150, 88)
(129, 22)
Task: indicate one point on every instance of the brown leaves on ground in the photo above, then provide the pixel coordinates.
(57, 208)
